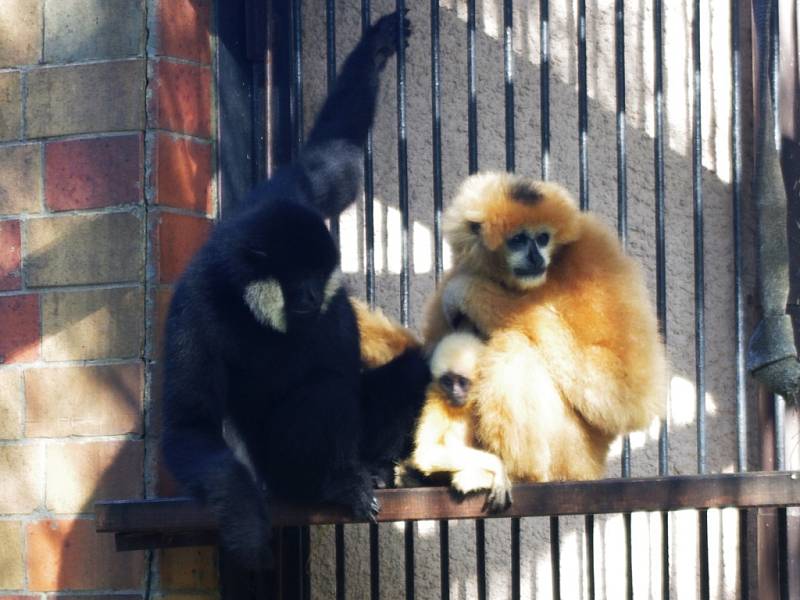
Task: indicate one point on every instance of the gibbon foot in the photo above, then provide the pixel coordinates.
(499, 497)
(470, 481)
(384, 37)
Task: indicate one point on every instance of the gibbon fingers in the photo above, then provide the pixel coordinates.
(573, 357)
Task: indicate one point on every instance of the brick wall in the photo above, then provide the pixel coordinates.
(106, 190)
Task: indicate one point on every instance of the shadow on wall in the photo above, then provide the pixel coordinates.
(680, 318)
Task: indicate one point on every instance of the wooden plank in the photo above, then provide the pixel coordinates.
(171, 515)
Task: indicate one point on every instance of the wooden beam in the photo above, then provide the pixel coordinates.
(159, 520)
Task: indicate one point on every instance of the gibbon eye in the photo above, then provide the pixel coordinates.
(474, 227)
(518, 241)
(543, 239)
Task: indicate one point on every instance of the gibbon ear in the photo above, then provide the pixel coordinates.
(474, 227)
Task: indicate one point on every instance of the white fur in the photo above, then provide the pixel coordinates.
(265, 300)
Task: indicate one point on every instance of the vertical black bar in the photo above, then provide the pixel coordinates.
(780, 465)
(516, 574)
(738, 293)
(330, 55)
(699, 285)
(736, 197)
(583, 168)
(241, 146)
(341, 592)
(699, 281)
(409, 559)
(622, 178)
(472, 92)
(508, 64)
(369, 194)
(402, 167)
(374, 563)
(297, 77)
(444, 559)
(508, 73)
(661, 266)
(555, 557)
(622, 232)
(544, 85)
(436, 124)
(480, 555)
(744, 556)
(588, 526)
(472, 134)
(583, 116)
(705, 590)
(660, 184)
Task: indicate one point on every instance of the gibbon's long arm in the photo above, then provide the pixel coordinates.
(195, 450)
(329, 169)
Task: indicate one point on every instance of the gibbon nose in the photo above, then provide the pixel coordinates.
(535, 258)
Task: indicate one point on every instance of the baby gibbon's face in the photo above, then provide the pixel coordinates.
(528, 253)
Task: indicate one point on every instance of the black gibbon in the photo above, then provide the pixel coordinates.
(444, 437)
(262, 338)
(573, 357)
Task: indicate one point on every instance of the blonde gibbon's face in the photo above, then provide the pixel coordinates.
(528, 253)
(509, 228)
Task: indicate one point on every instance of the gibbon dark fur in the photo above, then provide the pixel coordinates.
(261, 336)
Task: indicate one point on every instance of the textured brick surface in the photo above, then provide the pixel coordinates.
(86, 98)
(93, 29)
(10, 404)
(66, 554)
(21, 38)
(21, 474)
(70, 250)
(79, 473)
(183, 174)
(182, 99)
(92, 173)
(188, 568)
(12, 565)
(19, 322)
(20, 179)
(10, 105)
(9, 255)
(179, 237)
(183, 27)
(92, 324)
(101, 400)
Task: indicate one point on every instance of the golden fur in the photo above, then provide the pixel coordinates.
(381, 338)
(444, 440)
(571, 362)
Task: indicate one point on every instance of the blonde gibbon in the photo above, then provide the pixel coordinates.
(573, 357)
(444, 440)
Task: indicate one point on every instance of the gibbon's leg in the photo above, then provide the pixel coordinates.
(472, 470)
(200, 459)
(518, 407)
(392, 397)
(381, 338)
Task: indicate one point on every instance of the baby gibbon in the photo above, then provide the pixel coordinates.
(444, 440)
(573, 356)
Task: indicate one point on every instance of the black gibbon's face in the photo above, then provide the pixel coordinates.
(455, 388)
(528, 253)
(292, 266)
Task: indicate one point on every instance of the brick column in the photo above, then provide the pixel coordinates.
(106, 190)
(181, 207)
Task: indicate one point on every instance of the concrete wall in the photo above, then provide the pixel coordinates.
(717, 258)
